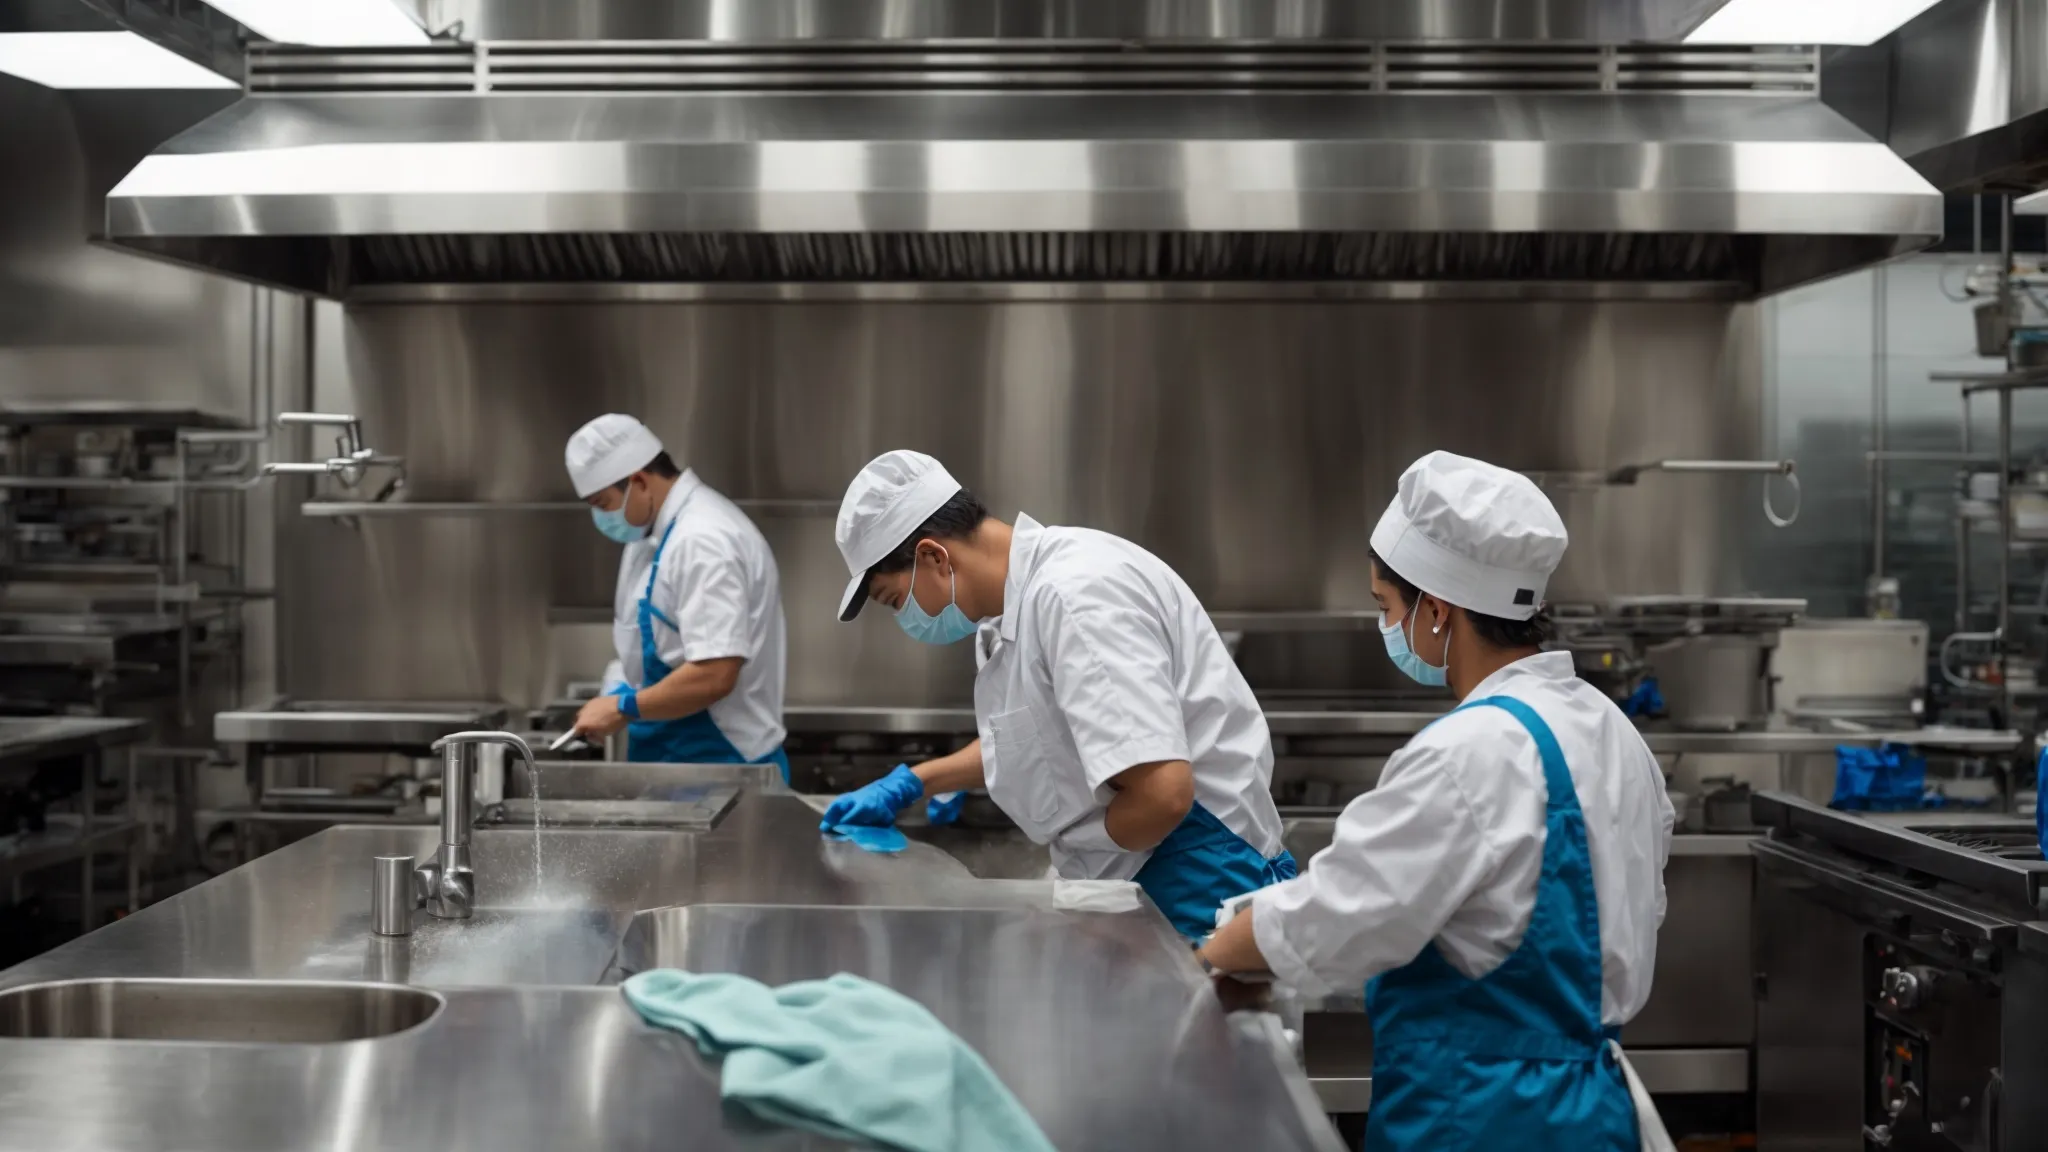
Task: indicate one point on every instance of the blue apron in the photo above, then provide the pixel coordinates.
(1517, 1058)
(1199, 865)
(694, 739)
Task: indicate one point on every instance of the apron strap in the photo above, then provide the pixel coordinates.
(651, 667)
(1560, 794)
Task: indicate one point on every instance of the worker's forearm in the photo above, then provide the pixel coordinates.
(1234, 947)
(1151, 801)
(953, 772)
(689, 689)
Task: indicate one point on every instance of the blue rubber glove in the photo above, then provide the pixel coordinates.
(876, 803)
(944, 808)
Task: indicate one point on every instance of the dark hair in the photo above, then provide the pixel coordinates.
(1496, 632)
(662, 465)
(956, 519)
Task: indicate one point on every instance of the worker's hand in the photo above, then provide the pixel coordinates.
(876, 803)
(600, 718)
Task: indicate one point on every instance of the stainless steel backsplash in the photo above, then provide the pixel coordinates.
(1251, 444)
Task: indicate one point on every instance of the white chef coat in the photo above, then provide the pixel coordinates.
(1449, 846)
(1103, 660)
(719, 583)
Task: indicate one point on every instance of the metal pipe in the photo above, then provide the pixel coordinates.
(2005, 466)
(2004, 630)
(1962, 530)
(315, 419)
(184, 544)
(1765, 467)
(1963, 554)
(458, 809)
(1880, 497)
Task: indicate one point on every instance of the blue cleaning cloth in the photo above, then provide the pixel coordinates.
(1646, 700)
(884, 840)
(944, 808)
(1890, 778)
(845, 1057)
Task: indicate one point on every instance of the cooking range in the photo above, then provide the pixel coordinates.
(1936, 1040)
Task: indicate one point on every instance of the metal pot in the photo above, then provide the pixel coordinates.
(1715, 683)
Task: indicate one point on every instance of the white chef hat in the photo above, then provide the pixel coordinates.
(1481, 537)
(607, 450)
(888, 500)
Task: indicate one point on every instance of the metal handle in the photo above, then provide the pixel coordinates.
(1771, 513)
(1789, 469)
(1956, 639)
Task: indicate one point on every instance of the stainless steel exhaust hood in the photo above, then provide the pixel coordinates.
(649, 162)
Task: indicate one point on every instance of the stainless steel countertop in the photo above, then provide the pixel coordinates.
(960, 722)
(1100, 1021)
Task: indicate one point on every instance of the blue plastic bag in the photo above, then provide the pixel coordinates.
(1646, 700)
(1891, 778)
(2041, 789)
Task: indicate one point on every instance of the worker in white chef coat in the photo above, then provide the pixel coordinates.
(1114, 725)
(697, 615)
(1502, 886)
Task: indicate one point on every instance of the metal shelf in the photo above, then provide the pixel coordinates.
(50, 848)
(115, 413)
(121, 484)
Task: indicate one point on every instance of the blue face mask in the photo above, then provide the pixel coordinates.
(948, 627)
(1405, 658)
(615, 525)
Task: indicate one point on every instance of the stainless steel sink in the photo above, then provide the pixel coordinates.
(212, 1011)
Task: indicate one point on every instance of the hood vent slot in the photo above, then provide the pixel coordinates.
(1043, 256)
(1071, 67)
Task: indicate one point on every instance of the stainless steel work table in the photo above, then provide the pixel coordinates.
(1099, 1020)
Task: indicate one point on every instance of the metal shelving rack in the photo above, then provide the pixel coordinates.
(154, 464)
(1970, 459)
(2002, 385)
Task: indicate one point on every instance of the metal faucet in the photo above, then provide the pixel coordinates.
(351, 459)
(446, 885)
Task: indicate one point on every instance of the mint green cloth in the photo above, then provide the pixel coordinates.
(843, 1056)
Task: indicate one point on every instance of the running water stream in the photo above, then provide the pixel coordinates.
(533, 780)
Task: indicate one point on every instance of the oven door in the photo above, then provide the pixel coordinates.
(1879, 1012)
